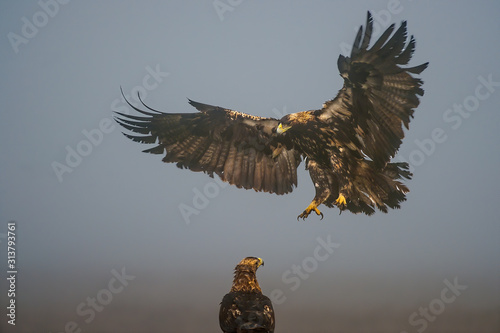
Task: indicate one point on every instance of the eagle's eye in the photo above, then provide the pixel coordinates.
(282, 129)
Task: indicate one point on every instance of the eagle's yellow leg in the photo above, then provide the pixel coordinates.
(313, 206)
(340, 200)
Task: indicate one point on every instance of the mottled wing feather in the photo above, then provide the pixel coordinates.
(246, 312)
(228, 313)
(378, 95)
(233, 145)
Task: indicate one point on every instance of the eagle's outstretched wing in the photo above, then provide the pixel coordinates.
(236, 146)
(378, 95)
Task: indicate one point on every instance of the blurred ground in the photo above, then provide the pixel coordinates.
(348, 304)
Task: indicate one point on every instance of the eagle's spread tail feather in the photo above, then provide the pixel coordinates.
(369, 188)
(372, 187)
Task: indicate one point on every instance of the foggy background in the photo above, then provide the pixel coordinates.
(89, 205)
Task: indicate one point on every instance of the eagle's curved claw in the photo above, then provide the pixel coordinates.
(312, 207)
(304, 215)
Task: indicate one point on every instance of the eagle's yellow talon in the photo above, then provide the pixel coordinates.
(340, 200)
(307, 211)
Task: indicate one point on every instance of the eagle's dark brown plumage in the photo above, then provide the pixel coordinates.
(347, 144)
(245, 308)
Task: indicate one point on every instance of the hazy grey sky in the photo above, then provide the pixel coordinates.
(88, 202)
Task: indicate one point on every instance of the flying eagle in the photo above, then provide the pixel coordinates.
(245, 308)
(347, 145)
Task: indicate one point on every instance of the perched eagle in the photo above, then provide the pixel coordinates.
(347, 145)
(244, 308)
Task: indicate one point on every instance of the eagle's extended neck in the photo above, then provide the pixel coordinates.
(245, 280)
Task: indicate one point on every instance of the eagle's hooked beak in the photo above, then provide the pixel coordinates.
(261, 262)
(282, 129)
